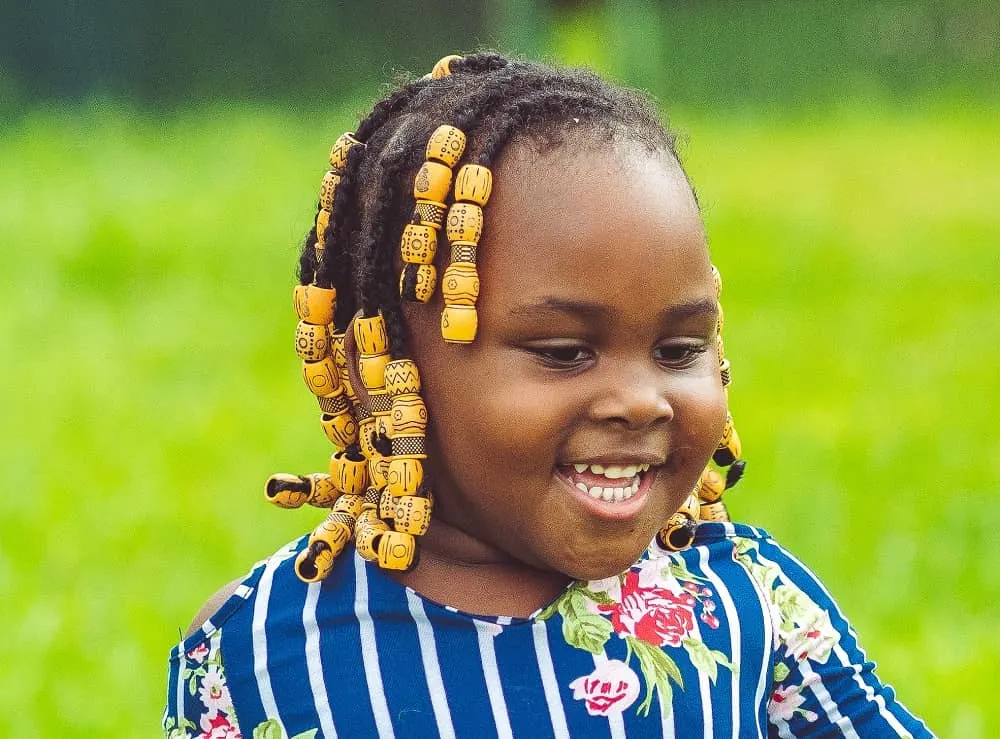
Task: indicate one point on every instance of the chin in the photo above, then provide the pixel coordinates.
(605, 564)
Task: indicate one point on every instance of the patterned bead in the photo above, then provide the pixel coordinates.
(333, 533)
(350, 504)
(426, 282)
(378, 468)
(690, 507)
(412, 447)
(717, 278)
(443, 67)
(383, 415)
(721, 321)
(314, 563)
(404, 476)
(465, 222)
(311, 342)
(396, 550)
(372, 496)
(460, 284)
(286, 491)
(322, 492)
(729, 449)
(430, 213)
(459, 324)
(462, 251)
(402, 376)
(711, 486)
(371, 367)
(678, 533)
(321, 377)
(315, 304)
(328, 190)
(322, 223)
(338, 154)
(726, 372)
(336, 402)
(350, 476)
(413, 514)
(337, 340)
(365, 430)
(473, 184)
(418, 244)
(340, 428)
(446, 145)
(370, 335)
(366, 538)
(386, 505)
(432, 182)
(720, 349)
(714, 512)
(409, 415)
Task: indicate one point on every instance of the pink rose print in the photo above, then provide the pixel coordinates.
(786, 702)
(608, 690)
(218, 727)
(653, 614)
(199, 653)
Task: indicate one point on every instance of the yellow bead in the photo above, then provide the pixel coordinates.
(462, 251)
(432, 182)
(465, 222)
(370, 335)
(714, 512)
(423, 290)
(338, 154)
(411, 446)
(409, 415)
(366, 536)
(720, 349)
(365, 430)
(312, 566)
(350, 476)
(443, 67)
(690, 507)
(430, 213)
(459, 324)
(350, 504)
(321, 377)
(322, 223)
(726, 372)
(328, 190)
(473, 184)
(322, 492)
(371, 367)
(413, 514)
(311, 342)
(340, 428)
(333, 533)
(336, 402)
(404, 476)
(721, 320)
(396, 550)
(378, 468)
(460, 284)
(401, 377)
(418, 244)
(678, 533)
(337, 340)
(315, 304)
(717, 278)
(729, 449)
(386, 505)
(711, 486)
(446, 145)
(286, 491)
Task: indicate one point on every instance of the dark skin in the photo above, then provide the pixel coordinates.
(596, 344)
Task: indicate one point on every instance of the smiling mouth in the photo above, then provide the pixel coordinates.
(610, 483)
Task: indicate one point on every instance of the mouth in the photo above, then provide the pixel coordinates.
(613, 491)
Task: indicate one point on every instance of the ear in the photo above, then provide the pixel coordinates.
(351, 353)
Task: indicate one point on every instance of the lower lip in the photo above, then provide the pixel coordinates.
(612, 511)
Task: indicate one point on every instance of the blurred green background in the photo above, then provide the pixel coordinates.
(159, 167)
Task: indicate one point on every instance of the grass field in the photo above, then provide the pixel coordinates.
(149, 385)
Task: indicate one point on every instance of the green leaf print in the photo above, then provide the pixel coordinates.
(781, 671)
(679, 570)
(581, 628)
(306, 734)
(657, 670)
(599, 597)
(269, 729)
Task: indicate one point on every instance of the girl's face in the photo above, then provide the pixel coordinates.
(582, 415)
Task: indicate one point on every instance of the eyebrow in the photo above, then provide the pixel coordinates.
(595, 311)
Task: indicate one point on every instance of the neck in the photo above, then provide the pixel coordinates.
(458, 570)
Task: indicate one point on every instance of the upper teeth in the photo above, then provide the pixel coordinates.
(613, 471)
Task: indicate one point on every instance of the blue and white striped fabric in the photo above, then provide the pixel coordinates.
(733, 637)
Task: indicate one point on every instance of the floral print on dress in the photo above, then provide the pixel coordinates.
(201, 668)
(653, 607)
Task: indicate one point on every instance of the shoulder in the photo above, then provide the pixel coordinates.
(212, 605)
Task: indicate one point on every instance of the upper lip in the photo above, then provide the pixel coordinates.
(621, 460)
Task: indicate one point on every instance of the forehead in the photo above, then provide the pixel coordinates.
(612, 222)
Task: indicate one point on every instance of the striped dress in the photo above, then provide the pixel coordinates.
(733, 637)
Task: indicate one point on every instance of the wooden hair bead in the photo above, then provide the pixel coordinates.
(370, 335)
(413, 447)
(717, 278)
(426, 281)
(336, 402)
(462, 251)
(459, 324)
(321, 377)
(371, 367)
(409, 415)
(372, 496)
(726, 372)
(314, 563)
(332, 532)
(404, 476)
(432, 182)
(690, 507)
(350, 504)
(430, 213)
(412, 515)
(366, 538)
(473, 184)
(322, 492)
(460, 284)
(711, 486)
(378, 470)
(286, 491)
(340, 428)
(322, 223)
(338, 154)
(386, 505)
(443, 67)
(714, 511)
(446, 145)
(720, 349)
(418, 244)
(465, 222)
(312, 342)
(396, 550)
(366, 428)
(328, 190)
(721, 320)
(315, 304)
(729, 449)
(402, 377)
(383, 416)
(349, 475)
(678, 533)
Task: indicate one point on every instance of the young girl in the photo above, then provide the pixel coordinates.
(531, 467)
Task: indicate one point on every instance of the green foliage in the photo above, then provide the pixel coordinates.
(149, 385)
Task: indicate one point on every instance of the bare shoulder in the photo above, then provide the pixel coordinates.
(212, 605)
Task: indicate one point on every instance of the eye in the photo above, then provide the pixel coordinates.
(679, 356)
(562, 356)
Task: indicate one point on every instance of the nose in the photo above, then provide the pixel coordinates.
(635, 398)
